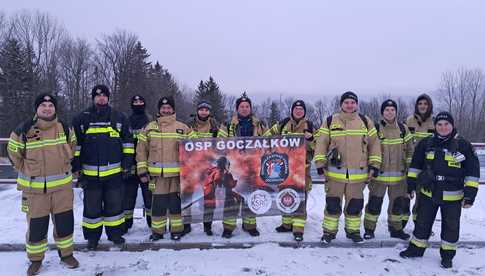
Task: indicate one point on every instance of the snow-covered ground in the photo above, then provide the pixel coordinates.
(265, 259)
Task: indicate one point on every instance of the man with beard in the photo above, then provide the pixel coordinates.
(104, 156)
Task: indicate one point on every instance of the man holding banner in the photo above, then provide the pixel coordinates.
(296, 124)
(243, 124)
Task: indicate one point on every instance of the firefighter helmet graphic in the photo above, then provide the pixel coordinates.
(274, 168)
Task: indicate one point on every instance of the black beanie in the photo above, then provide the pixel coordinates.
(100, 89)
(298, 103)
(243, 98)
(349, 95)
(137, 97)
(444, 115)
(204, 104)
(45, 98)
(387, 103)
(166, 100)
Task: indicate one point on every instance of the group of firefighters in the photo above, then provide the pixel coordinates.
(111, 155)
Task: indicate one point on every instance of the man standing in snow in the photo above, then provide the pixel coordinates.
(445, 170)
(41, 150)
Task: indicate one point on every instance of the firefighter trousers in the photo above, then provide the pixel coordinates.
(130, 194)
(336, 191)
(450, 224)
(166, 204)
(397, 193)
(103, 205)
(38, 208)
(232, 205)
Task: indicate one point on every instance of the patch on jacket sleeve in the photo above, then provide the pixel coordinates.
(179, 131)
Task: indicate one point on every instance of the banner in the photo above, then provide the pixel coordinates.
(240, 176)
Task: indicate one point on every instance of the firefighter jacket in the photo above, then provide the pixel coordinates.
(41, 151)
(446, 170)
(232, 129)
(137, 123)
(105, 145)
(419, 128)
(347, 146)
(397, 150)
(203, 129)
(157, 152)
(216, 178)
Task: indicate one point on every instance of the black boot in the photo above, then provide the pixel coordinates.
(327, 238)
(227, 234)
(175, 236)
(412, 252)
(283, 229)
(187, 229)
(118, 240)
(34, 268)
(369, 234)
(92, 244)
(446, 263)
(149, 221)
(400, 235)
(156, 237)
(208, 228)
(298, 237)
(355, 237)
(252, 232)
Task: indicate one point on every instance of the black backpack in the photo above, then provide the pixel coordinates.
(25, 127)
(362, 117)
(283, 122)
(402, 129)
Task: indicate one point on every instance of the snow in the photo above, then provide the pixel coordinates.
(264, 259)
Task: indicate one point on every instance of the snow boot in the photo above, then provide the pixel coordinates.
(412, 252)
(283, 229)
(70, 262)
(327, 238)
(208, 228)
(400, 235)
(34, 268)
(156, 237)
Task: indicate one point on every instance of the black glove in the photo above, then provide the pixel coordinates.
(375, 171)
(467, 201)
(143, 175)
(320, 171)
(411, 185)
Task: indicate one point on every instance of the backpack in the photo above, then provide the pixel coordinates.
(402, 129)
(362, 117)
(283, 122)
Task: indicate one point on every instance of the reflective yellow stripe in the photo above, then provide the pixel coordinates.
(114, 222)
(390, 178)
(99, 130)
(371, 217)
(412, 174)
(419, 243)
(392, 141)
(320, 157)
(65, 243)
(46, 142)
(35, 249)
(129, 150)
(92, 225)
(473, 184)
(229, 221)
(48, 184)
(102, 173)
(330, 223)
(421, 134)
(343, 176)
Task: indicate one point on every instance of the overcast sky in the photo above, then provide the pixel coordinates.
(292, 47)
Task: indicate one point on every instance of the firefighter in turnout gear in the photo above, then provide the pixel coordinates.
(104, 155)
(242, 124)
(396, 147)
(421, 126)
(41, 150)
(297, 124)
(348, 152)
(138, 120)
(204, 126)
(445, 170)
(157, 158)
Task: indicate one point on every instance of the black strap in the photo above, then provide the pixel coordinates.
(364, 119)
(402, 128)
(329, 121)
(282, 124)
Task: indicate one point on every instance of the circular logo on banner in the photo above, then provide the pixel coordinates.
(274, 168)
(288, 201)
(259, 202)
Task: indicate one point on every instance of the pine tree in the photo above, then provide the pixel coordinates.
(16, 85)
(274, 114)
(209, 91)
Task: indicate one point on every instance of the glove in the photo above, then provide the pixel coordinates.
(375, 171)
(144, 176)
(320, 171)
(467, 201)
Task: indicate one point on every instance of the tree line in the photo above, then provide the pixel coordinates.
(38, 55)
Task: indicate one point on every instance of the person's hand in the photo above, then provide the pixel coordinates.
(144, 178)
(320, 171)
(467, 203)
(308, 135)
